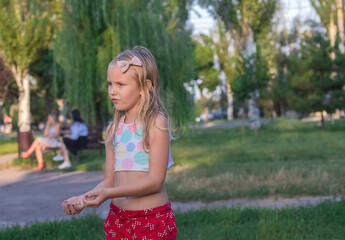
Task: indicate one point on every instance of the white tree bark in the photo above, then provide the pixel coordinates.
(339, 6)
(254, 110)
(24, 116)
(24, 106)
(62, 111)
(230, 109)
(253, 103)
(229, 96)
(332, 33)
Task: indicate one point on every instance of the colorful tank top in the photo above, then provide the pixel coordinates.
(129, 148)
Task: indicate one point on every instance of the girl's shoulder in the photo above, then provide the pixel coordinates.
(161, 119)
(160, 122)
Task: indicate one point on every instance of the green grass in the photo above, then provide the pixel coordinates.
(324, 221)
(90, 160)
(8, 145)
(287, 158)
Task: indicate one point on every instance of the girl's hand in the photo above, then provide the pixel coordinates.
(95, 198)
(73, 205)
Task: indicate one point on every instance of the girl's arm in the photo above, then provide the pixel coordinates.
(46, 129)
(158, 160)
(69, 205)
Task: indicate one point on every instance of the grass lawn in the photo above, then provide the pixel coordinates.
(90, 160)
(286, 159)
(324, 221)
(8, 145)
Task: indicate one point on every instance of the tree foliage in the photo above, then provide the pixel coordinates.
(94, 32)
(8, 88)
(242, 16)
(204, 63)
(312, 81)
(225, 58)
(253, 75)
(325, 9)
(25, 28)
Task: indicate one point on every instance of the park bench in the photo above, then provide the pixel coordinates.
(93, 139)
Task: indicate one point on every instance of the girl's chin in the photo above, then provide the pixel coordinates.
(119, 108)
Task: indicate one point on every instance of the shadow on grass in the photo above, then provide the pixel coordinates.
(324, 221)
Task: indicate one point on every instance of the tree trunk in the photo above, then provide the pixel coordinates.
(230, 110)
(24, 103)
(331, 118)
(340, 25)
(322, 121)
(332, 33)
(204, 104)
(242, 113)
(62, 111)
(282, 109)
(254, 111)
(24, 129)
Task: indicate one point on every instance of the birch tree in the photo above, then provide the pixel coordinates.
(340, 18)
(246, 20)
(25, 27)
(226, 62)
(204, 64)
(327, 12)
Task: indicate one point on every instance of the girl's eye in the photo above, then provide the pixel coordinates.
(109, 83)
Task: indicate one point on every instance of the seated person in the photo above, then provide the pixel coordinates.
(50, 140)
(73, 142)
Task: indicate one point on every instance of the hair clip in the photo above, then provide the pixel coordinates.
(124, 65)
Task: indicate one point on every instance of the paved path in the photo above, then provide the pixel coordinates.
(5, 160)
(28, 196)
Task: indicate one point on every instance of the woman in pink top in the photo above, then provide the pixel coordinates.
(137, 154)
(50, 139)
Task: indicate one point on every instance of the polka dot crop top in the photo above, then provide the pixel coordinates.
(129, 148)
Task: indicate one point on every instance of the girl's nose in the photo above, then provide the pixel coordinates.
(113, 91)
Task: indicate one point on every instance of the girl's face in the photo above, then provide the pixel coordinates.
(123, 89)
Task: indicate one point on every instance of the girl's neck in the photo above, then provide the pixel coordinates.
(129, 117)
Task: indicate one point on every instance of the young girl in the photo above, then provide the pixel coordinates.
(137, 154)
(51, 134)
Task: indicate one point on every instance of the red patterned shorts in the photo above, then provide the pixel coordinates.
(153, 223)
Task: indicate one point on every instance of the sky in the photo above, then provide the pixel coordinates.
(290, 9)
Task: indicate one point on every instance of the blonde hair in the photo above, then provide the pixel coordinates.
(150, 105)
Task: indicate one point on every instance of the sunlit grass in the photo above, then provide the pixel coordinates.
(287, 158)
(90, 160)
(324, 221)
(8, 145)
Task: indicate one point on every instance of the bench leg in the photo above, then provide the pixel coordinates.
(78, 156)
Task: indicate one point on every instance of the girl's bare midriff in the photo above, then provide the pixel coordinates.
(137, 203)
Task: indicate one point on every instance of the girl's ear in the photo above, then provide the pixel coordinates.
(149, 84)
